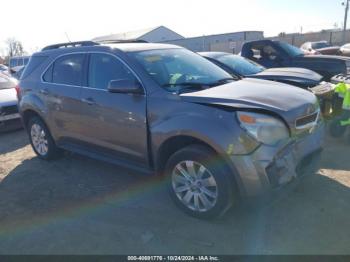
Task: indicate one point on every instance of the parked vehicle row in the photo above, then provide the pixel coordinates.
(272, 54)
(165, 110)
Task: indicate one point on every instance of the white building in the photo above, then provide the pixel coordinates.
(229, 42)
(155, 34)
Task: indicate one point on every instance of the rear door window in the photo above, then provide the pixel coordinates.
(68, 70)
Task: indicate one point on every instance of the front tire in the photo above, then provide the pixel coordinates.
(41, 140)
(199, 183)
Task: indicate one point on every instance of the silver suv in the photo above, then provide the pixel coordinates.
(165, 110)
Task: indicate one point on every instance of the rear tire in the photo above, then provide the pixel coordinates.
(41, 140)
(199, 182)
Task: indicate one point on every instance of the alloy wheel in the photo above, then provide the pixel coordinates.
(39, 139)
(195, 186)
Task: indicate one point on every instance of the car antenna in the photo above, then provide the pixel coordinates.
(67, 37)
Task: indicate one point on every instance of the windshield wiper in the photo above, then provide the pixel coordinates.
(195, 86)
(192, 84)
(223, 81)
(189, 86)
(198, 84)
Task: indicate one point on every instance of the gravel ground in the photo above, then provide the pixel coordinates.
(81, 206)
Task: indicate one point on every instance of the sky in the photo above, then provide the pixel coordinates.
(37, 23)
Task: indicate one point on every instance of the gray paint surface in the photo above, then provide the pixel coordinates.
(131, 129)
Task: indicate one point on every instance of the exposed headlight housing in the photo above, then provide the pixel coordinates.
(264, 128)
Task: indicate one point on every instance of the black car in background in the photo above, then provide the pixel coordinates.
(240, 67)
(270, 54)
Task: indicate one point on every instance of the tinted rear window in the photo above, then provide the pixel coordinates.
(68, 70)
(33, 64)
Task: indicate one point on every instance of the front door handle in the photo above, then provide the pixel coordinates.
(88, 101)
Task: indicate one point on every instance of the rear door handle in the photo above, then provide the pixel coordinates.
(88, 101)
(44, 91)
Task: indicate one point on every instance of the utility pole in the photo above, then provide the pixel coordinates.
(346, 4)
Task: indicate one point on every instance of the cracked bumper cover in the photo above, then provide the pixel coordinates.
(271, 167)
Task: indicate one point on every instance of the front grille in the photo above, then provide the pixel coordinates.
(304, 121)
(8, 110)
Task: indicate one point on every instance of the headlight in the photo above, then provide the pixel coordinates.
(264, 128)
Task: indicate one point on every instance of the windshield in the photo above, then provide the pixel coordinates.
(290, 49)
(319, 45)
(180, 69)
(241, 65)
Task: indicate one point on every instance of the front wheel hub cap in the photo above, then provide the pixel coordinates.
(195, 186)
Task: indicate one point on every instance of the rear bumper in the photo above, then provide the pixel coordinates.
(272, 167)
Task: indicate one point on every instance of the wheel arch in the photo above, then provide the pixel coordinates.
(176, 143)
(28, 114)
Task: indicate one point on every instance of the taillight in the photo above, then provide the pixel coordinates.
(18, 92)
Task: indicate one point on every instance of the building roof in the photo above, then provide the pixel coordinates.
(131, 35)
(215, 35)
(134, 47)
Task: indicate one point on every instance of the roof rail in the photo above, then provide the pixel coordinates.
(70, 44)
(115, 41)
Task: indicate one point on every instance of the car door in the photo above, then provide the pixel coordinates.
(61, 90)
(114, 123)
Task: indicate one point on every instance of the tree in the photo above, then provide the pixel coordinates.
(14, 47)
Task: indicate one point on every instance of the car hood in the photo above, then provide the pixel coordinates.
(8, 97)
(288, 101)
(291, 72)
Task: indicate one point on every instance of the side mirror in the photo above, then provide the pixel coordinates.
(125, 86)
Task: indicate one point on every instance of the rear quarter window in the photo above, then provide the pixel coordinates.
(33, 64)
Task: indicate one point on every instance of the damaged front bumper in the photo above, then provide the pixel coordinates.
(271, 167)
